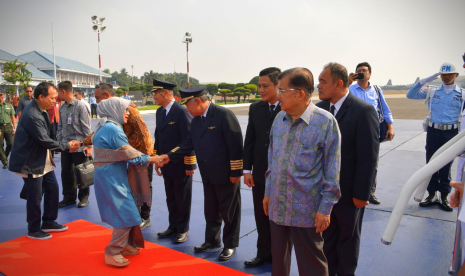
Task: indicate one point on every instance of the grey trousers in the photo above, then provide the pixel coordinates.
(308, 250)
(119, 239)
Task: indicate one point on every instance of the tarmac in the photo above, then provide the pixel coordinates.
(423, 244)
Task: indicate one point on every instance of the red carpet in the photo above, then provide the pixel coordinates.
(80, 251)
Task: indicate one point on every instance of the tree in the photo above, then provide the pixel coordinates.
(239, 85)
(212, 88)
(239, 92)
(224, 93)
(254, 80)
(252, 87)
(107, 71)
(135, 87)
(14, 72)
(119, 92)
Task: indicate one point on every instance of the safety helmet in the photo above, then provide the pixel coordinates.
(448, 68)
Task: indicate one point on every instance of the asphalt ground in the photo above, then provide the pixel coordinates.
(401, 108)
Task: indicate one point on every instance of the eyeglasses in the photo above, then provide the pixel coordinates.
(29, 91)
(280, 91)
(362, 71)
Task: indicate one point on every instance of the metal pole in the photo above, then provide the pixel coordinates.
(415, 180)
(54, 64)
(99, 58)
(187, 54)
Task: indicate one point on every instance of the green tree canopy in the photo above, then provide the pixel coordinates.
(252, 87)
(212, 88)
(254, 80)
(224, 93)
(224, 85)
(14, 72)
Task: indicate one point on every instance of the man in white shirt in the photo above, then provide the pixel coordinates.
(80, 96)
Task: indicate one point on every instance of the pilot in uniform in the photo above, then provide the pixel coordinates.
(216, 138)
(173, 124)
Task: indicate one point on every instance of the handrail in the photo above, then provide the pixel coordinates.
(422, 187)
(433, 166)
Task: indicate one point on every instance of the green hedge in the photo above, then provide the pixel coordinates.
(254, 100)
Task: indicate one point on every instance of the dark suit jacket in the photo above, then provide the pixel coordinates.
(169, 134)
(217, 143)
(257, 139)
(359, 128)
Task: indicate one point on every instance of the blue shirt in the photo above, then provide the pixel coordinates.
(370, 96)
(445, 107)
(304, 160)
(93, 100)
(126, 97)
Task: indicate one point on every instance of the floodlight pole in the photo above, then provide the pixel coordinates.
(99, 58)
(98, 27)
(187, 39)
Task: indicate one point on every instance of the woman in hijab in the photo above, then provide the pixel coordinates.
(116, 203)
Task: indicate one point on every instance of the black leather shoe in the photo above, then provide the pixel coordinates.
(181, 237)
(374, 200)
(444, 203)
(167, 233)
(206, 246)
(145, 223)
(257, 262)
(5, 166)
(83, 203)
(64, 203)
(430, 200)
(227, 254)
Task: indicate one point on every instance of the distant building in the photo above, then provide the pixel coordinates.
(40, 64)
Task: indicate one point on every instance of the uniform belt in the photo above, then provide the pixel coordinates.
(443, 127)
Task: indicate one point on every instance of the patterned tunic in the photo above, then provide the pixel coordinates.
(303, 171)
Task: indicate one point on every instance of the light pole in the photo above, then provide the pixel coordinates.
(98, 28)
(187, 39)
(132, 78)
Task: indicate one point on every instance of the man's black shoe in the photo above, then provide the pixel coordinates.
(5, 166)
(181, 237)
(444, 203)
(206, 246)
(167, 233)
(145, 223)
(83, 203)
(39, 235)
(64, 203)
(430, 200)
(257, 262)
(227, 254)
(54, 227)
(374, 200)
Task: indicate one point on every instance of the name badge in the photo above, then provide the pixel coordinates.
(56, 105)
(70, 120)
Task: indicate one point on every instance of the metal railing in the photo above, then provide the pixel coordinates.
(420, 179)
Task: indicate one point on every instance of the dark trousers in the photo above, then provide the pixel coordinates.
(145, 209)
(373, 186)
(308, 250)
(435, 138)
(342, 238)
(93, 110)
(54, 129)
(68, 179)
(178, 199)
(16, 113)
(262, 222)
(7, 135)
(222, 203)
(49, 184)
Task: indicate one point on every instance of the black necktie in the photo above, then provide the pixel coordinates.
(203, 119)
(164, 115)
(332, 109)
(272, 108)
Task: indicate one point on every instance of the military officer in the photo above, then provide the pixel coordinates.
(445, 104)
(7, 117)
(216, 138)
(173, 124)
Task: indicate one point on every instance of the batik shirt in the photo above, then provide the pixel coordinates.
(303, 167)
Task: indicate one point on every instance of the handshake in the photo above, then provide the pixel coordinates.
(160, 160)
(74, 145)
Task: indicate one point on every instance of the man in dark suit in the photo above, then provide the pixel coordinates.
(257, 139)
(173, 124)
(216, 138)
(359, 127)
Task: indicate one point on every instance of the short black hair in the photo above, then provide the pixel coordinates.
(42, 89)
(66, 85)
(364, 64)
(107, 88)
(299, 77)
(97, 86)
(272, 73)
(338, 72)
(80, 92)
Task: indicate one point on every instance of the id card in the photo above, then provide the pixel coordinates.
(70, 120)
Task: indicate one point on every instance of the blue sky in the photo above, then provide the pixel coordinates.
(234, 40)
